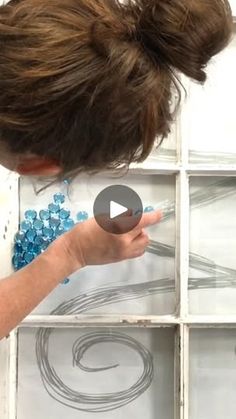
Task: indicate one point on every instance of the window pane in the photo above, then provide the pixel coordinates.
(212, 276)
(141, 286)
(212, 374)
(123, 372)
(213, 139)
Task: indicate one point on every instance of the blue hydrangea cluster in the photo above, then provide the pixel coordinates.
(38, 230)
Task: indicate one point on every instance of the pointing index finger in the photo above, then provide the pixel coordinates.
(149, 219)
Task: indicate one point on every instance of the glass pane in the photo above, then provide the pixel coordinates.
(212, 374)
(118, 373)
(212, 276)
(142, 286)
(213, 105)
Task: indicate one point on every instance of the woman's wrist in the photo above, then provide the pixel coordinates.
(58, 260)
(69, 246)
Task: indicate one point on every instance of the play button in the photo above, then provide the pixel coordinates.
(118, 209)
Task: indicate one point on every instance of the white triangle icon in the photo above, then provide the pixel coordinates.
(116, 209)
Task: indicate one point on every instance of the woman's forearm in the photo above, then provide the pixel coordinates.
(86, 244)
(21, 292)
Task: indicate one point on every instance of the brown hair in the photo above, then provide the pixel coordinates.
(89, 83)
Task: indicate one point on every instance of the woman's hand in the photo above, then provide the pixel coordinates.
(89, 244)
(86, 244)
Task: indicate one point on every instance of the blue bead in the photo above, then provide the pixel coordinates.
(149, 209)
(66, 281)
(45, 244)
(30, 247)
(59, 198)
(36, 250)
(31, 234)
(44, 214)
(25, 225)
(17, 262)
(18, 248)
(30, 215)
(38, 240)
(59, 231)
(19, 237)
(25, 244)
(54, 222)
(38, 225)
(64, 214)
(82, 216)
(22, 264)
(54, 208)
(28, 257)
(68, 224)
(48, 232)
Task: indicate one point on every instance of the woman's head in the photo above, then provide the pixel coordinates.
(88, 84)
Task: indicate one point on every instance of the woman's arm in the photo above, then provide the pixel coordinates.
(21, 292)
(86, 244)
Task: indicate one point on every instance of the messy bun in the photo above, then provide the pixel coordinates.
(90, 83)
(184, 34)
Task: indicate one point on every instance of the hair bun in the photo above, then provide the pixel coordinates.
(184, 34)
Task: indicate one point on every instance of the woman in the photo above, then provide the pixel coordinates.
(87, 85)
